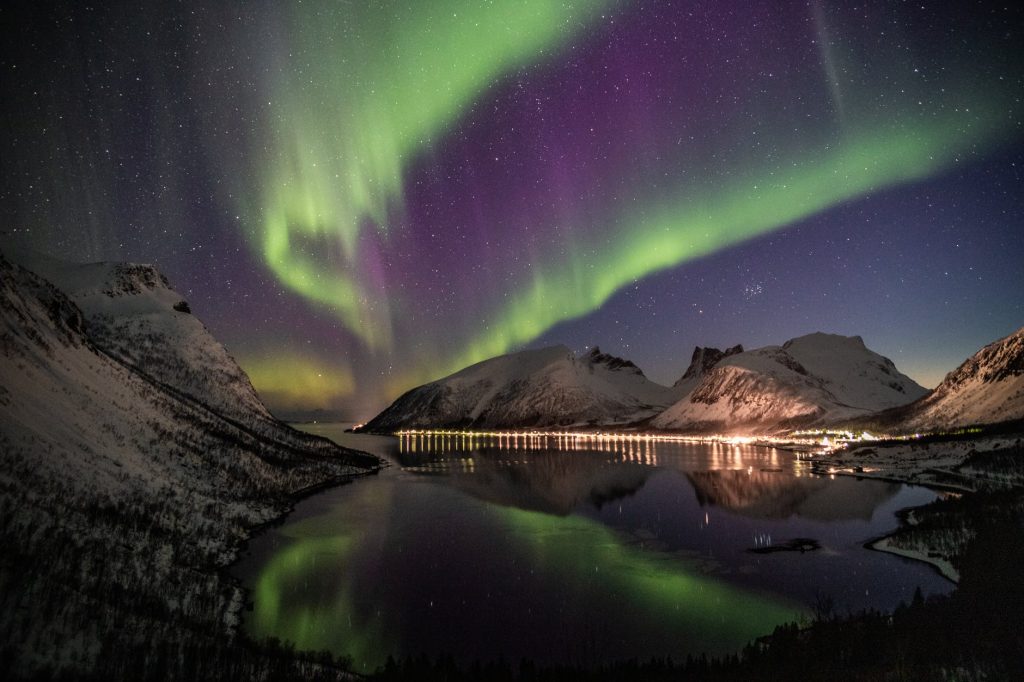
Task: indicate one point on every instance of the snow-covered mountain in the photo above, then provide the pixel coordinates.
(132, 314)
(988, 388)
(813, 379)
(134, 458)
(533, 388)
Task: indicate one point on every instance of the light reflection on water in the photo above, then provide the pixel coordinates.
(482, 548)
(637, 449)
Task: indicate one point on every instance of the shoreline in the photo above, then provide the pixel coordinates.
(941, 566)
(291, 500)
(931, 485)
(795, 445)
(918, 469)
(931, 465)
(883, 543)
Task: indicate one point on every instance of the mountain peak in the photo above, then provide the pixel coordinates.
(825, 339)
(545, 387)
(703, 359)
(812, 379)
(596, 357)
(124, 302)
(129, 279)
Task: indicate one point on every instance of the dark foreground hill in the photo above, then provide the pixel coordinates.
(135, 458)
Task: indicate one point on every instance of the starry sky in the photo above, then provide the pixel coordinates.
(360, 196)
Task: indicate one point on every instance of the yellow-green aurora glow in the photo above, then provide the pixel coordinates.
(758, 201)
(287, 379)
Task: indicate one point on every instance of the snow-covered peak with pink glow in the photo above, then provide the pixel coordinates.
(817, 378)
(544, 387)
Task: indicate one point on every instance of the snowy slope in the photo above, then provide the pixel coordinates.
(133, 314)
(123, 494)
(533, 388)
(109, 394)
(987, 388)
(813, 379)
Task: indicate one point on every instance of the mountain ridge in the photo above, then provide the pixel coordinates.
(703, 360)
(985, 389)
(545, 387)
(809, 380)
(133, 314)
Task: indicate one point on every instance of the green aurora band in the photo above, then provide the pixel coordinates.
(370, 99)
(760, 201)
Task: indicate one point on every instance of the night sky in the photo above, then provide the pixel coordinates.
(357, 197)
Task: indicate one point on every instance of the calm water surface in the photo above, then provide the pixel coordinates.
(534, 549)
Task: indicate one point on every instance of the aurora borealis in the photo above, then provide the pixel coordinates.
(357, 197)
(380, 83)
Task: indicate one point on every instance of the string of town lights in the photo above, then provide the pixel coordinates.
(807, 443)
(817, 442)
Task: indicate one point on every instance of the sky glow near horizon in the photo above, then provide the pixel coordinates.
(386, 193)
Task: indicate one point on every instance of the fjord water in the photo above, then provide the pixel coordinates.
(530, 548)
